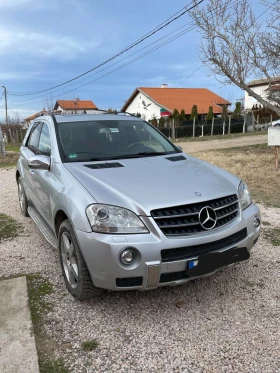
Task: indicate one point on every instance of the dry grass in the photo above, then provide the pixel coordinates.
(9, 160)
(255, 165)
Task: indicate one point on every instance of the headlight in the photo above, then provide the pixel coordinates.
(244, 195)
(113, 219)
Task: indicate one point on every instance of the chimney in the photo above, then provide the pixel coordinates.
(164, 85)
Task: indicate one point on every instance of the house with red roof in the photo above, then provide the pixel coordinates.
(76, 106)
(160, 102)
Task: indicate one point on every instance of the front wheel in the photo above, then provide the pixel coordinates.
(23, 203)
(74, 268)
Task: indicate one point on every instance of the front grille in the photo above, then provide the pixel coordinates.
(129, 282)
(184, 220)
(181, 253)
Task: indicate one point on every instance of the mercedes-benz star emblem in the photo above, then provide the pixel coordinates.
(207, 218)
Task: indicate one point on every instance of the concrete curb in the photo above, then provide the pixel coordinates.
(18, 352)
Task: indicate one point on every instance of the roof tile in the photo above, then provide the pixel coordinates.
(183, 98)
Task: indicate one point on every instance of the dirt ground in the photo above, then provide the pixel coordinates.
(198, 146)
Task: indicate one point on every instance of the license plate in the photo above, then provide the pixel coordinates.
(208, 263)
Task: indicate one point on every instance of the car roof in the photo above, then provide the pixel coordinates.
(62, 118)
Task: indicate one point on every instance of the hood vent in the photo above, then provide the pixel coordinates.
(176, 159)
(104, 165)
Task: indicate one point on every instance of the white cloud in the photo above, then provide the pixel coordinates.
(43, 45)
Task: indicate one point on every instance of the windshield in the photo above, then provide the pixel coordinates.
(112, 139)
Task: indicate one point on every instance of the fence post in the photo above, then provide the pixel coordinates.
(173, 129)
(244, 124)
(212, 128)
(224, 126)
(258, 121)
(194, 127)
(229, 123)
(2, 143)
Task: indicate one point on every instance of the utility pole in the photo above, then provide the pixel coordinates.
(6, 105)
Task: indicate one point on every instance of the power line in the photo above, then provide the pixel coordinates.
(157, 29)
(188, 76)
(115, 63)
(127, 63)
(131, 61)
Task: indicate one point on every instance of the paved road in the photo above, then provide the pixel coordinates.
(197, 146)
(17, 343)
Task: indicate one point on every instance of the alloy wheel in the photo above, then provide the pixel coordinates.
(69, 260)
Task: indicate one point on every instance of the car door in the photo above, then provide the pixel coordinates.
(41, 179)
(28, 150)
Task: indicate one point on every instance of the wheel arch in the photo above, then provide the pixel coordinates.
(17, 175)
(60, 216)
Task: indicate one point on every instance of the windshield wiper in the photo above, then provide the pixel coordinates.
(127, 156)
(152, 153)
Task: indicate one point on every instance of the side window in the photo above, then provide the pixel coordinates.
(44, 146)
(34, 137)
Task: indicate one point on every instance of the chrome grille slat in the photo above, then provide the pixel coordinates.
(184, 220)
(223, 207)
(230, 213)
(177, 225)
(176, 216)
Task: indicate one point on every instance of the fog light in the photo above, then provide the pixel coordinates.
(127, 256)
(257, 222)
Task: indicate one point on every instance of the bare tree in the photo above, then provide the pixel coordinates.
(236, 45)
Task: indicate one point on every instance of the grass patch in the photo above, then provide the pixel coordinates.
(8, 160)
(255, 165)
(221, 137)
(53, 366)
(12, 148)
(90, 345)
(38, 288)
(9, 227)
(272, 235)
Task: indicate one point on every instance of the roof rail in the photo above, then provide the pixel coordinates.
(120, 112)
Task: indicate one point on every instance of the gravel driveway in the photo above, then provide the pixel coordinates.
(225, 323)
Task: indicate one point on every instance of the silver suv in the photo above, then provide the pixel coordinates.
(128, 209)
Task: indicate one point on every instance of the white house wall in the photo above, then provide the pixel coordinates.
(250, 101)
(136, 106)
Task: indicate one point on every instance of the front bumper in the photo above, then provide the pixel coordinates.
(102, 253)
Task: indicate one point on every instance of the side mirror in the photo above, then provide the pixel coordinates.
(179, 147)
(39, 162)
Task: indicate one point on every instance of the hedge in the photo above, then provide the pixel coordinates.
(187, 130)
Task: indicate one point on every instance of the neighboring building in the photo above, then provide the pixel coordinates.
(261, 87)
(75, 107)
(27, 121)
(160, 102)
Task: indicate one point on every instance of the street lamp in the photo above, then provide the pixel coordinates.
(6, 106)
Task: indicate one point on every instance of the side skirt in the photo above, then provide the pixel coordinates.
(44, 229)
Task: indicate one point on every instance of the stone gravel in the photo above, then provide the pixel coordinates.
(229, 322)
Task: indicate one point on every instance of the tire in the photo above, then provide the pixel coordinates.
(23, 203)
(76, 275)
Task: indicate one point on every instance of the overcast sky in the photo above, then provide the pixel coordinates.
(46, 42)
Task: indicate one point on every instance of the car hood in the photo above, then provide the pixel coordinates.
(148, 183)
